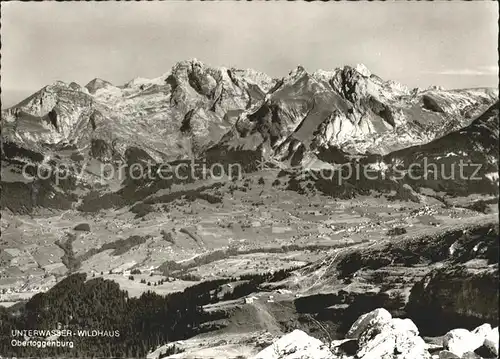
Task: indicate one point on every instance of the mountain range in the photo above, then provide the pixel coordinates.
(199, 111)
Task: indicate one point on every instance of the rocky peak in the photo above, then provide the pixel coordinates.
(64, 86)
(363, 70)
(262, 80)
(296, 74)
(349, 83)
(358, 83)
(59, 83)
(50, 115)
(325, 76)
(97, 84)
(182, 69)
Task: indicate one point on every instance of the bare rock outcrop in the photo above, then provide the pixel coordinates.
(296, 345)
(491, 341)
(481, 342)
(374, 318)
(454, 295)
(377, 334)
(382, 337)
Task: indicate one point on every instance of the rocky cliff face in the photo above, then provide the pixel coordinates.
(441, 281)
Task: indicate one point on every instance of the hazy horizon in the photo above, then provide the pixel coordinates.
(419, 44)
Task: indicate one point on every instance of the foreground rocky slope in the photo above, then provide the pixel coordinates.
(377, 335)
(431, 295)
(440, 280)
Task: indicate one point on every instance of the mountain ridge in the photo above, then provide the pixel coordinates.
(202, 103)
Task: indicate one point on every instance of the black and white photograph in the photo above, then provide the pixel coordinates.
(249, 179)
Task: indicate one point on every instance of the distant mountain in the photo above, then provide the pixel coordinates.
(463, 162)
(97, 84)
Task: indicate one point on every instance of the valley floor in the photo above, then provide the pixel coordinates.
(258, 226)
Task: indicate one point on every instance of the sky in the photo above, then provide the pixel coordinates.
(450, 44)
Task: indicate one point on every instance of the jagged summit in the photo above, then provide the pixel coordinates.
(298, 71)
(363, 70)
(97, 84)
(191, 61)
(61, 83)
